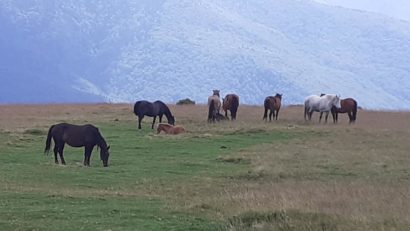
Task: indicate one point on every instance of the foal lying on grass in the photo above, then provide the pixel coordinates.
(170, 129)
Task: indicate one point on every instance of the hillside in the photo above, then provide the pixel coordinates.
(71, 51)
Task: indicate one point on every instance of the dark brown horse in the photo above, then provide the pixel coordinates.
(349, 106)
(273, 104)
(86, 136)
(158, 108)
(231, 103)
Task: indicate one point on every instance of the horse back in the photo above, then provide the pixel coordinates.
(231, 101)
(144, 107)
(272, 102)
(79, 135)
(160, 107)
(347, 105)
(214, 99)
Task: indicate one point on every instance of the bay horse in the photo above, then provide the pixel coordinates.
(158, 108)
(169, 129)
(321, 104)
(86, 136)
(273, 104)
(214, 106)
(231, 103)
(349, 106)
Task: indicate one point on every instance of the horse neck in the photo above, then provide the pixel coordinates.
(101, 143)
(167, 113)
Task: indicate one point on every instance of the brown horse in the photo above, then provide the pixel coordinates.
(169, 129)
(86, 136)
(214, 106)
(231, 103)
(349, 106)
(273, 104)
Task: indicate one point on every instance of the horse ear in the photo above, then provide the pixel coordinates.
(108, 148)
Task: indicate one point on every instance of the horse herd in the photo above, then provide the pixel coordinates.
(88, 136)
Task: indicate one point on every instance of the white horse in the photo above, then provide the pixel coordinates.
(320, 104)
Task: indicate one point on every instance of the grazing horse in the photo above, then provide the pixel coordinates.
(273, 104)
(214, 106)
(349, 106)
(231, 103)
(158, 108)
(170, 129)
(86, 136)
(322, 103)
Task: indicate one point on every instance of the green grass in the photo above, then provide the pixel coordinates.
(135, 192)
(222, 177)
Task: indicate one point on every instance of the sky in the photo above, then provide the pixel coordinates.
(399, 9)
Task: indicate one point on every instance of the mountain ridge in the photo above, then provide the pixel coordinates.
(169, 50)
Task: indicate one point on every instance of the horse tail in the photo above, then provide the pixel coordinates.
(234, 106)
(136, 106)
(211, 110)
(48, 141)
(266, 105)
(354, 110)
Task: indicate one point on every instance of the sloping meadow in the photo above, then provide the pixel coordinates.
(242, 175)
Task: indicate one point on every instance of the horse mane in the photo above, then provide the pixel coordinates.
(165, 109)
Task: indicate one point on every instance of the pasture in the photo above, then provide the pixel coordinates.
(243, 175)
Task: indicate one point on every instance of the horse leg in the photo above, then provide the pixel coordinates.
(320, 117)
(265, 114)
(327, 115)
(272, 115)
(153, 122)
(310, 113)
(87, 154)
(55, 150)
(160, 118)
(350, 117)
(139, 121)
(277, 113)
(61, 149)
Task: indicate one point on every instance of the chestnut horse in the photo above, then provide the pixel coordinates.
(86, 136)
(273, 104)
(349, 106)
(231, 103)
(170, 129)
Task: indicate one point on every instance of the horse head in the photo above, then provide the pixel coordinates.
(171, 120)
(216, 92)
(336, 101)
(104, 155)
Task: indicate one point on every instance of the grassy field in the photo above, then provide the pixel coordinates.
(242, 175)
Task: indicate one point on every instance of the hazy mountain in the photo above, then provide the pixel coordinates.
(123, 51)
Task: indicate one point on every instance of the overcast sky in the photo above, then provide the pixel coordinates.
(394, 8)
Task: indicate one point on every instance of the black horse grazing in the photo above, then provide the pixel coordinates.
(77, 136)
(158, 108)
